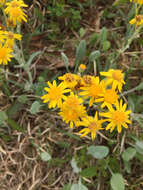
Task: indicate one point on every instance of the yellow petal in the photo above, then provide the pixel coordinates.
(133, 21)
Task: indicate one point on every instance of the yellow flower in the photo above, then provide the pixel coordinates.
(5, 55)
(10, 23)
(94, 91)
(2, 2)
(15, 11)
(114, 77)
(71, 80)
(1, 36)
(140, 2)
(72, 110)
(138, 19)
(110, 97)
(88, 80)
(10, 37)
(55, 94)
(92, 125)
(82, 67)
(117, 117)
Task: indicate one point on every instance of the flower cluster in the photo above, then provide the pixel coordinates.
(138, 19)
(14, 14)
(77, 94)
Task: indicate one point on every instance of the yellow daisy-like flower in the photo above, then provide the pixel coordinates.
(15, 11)
(10, 38)
(88, 80)
(140, 2)
(55, 94)
(72, 110)
(2, 2)
(94, 91)
(71, 80)
(10, 23)
(92, 125)
(82, 67)
(114, 77)
(110, 97)
(84, 81)
(5, 55)
(117, 117)
(138, 19)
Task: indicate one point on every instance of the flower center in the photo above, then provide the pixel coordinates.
(16, 13)
(117, 75)
(93, 126)
(71, 108)
(110, 96)
(139, 18)
(69, 77)
(55, 93)
(119, 117)
(87, 79)
(10, 35)
(72, 115)
(14, 4)
(72, 102)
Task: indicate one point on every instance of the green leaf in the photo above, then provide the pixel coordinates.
(75, 168)
(32, 56)
(98, 152)
(131, 103)
(118, 2)
(3, 116)
(106, 45)
(139, 157)
(103, 35)
(6, 89)
(82, 32)
(78, 186)
(139, 87)
(27, 86)
(15, 108)
(128, 154)
(63, 144)
(45, 156)
(139, 147)
(23, 99)
(67, 187)
(93, 39)
(66, 61)
(14, 125)
(80, 51)
(127, 166)
(88, 172)
(38, 13)
(35, 107)
(117, 182)
(94, 55)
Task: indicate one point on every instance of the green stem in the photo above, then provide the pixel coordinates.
(21, 60)
(128, 92)
(5, 17)
(135, 35)
(110, 171)
(26, 67)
